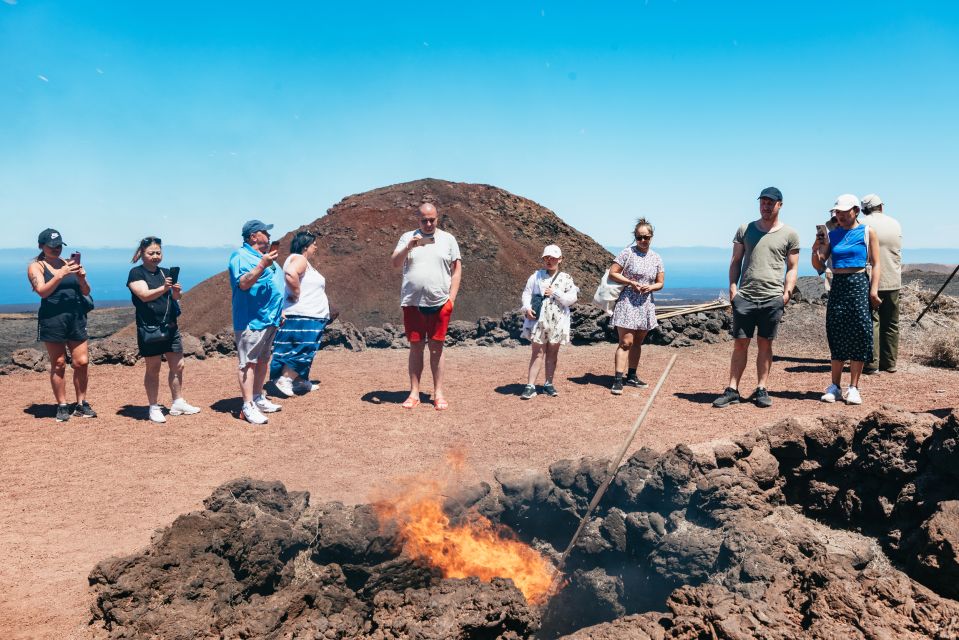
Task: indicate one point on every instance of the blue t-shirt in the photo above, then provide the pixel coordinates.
(259, 306)
(848, 247)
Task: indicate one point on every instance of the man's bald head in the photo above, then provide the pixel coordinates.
(427, 209)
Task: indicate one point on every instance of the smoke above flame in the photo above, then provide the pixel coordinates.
(473, 548)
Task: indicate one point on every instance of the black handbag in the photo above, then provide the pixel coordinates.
(536, 303)
(86, 304)
(154, 334)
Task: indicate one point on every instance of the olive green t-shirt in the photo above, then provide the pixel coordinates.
(764, 263)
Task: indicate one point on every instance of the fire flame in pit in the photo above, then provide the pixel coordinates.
(475, 548)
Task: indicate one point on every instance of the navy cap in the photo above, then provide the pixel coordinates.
(772, 193)
(253, 226)
(51, 238)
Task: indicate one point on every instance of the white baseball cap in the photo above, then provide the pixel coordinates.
(871, 201)
(553, 251)
(845, 202)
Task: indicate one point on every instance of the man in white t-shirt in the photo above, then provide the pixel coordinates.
(431, 279)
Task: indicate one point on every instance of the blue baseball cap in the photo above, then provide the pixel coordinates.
(772, 193)
(253, 226)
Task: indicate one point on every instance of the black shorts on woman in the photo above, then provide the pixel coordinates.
(62, 317)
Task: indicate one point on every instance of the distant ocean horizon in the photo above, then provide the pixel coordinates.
(692, 273)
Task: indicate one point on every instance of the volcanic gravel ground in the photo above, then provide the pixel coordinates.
(72, 494)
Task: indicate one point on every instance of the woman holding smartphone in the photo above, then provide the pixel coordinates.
(62, 320)
(850, 247)
(155, 294)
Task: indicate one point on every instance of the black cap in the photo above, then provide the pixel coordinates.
(253, 226)
(51, 238)
(772, 193)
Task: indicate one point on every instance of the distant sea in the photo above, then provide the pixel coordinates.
(692, 273)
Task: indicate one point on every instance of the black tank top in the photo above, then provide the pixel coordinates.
(64, 299)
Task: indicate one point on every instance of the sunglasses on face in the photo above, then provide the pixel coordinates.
(428, 221)
(642, 238)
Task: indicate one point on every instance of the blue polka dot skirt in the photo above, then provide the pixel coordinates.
(848, 318)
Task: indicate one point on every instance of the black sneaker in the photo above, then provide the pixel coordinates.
(529, 391)
(730, 396)
(63, 412)
(633, 381)
(83, 410)
(617, 388)
(550, 390)
(761, 398)
(870, 371)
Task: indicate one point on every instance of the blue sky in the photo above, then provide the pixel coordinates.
(184, 119)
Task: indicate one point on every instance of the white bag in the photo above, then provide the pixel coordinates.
(607, 293)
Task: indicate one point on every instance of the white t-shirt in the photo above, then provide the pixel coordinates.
(428, 269)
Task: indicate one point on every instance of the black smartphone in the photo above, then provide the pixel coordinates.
(174, 274)
(274, 246)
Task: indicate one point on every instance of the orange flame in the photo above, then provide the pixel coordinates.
(476, 548)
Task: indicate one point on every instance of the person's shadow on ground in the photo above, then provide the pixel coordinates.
(137, 412)
(600, 380)
(806, 365)
(41, 411)
(513, 389)
(700, 397)
(232, 406)
(392, 397)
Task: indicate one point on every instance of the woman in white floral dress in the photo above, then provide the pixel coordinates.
(548, 326)
(634, 315)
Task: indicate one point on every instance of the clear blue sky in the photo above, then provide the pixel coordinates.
(184, 119)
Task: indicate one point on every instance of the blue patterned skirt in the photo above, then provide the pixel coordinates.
(296, 343)
(848, 317)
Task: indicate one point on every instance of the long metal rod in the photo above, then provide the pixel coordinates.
(948, 280)
(613, 469)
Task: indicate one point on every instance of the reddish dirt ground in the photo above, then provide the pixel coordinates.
(72, 494)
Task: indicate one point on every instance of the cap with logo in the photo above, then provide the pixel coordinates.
(772, 193)
(871, 201)
(51, 238)
(845, 202)
(253, 226)
(553, 251)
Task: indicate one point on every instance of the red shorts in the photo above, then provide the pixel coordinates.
(419, 326)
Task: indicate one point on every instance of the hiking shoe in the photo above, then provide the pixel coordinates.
(617, 388)
(529, 391)
(265, 405)
(252, 414)
(301, 386)
(156, 414)
(833, 393)
(852, 396)
(83, 410)
(285, 386)
(761, 398)
(890, 369)
(730, 396)
(550, 390)
(63, 412)
(633, 381)
(870, 371)
(181, 407)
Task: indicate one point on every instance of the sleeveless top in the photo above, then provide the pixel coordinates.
(849, 249)
(312, 302)
(64, 299)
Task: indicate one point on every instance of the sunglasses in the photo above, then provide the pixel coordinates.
(641, 237)
(427, 220)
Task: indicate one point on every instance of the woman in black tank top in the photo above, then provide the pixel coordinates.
(62, 320)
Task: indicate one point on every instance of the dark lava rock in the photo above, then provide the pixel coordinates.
(343, 335)
(32, 359)
(377, 338)
(117, 349)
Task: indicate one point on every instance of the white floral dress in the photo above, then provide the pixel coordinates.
(553, 324)
(634, 310)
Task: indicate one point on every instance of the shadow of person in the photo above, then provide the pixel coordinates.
(513, 389)
(797, 395)
(600, 380)
(700, 397)
(137, 412)
(232, 406)
(391, 397)
(777, 358)
(809, 368)
(42, 410)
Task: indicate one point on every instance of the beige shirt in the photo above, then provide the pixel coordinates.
(889, 234)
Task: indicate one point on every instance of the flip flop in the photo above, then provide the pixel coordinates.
(441, 404)
(410, 402)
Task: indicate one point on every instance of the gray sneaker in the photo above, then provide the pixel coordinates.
(550, 390)
(761, 398)
(83, 410)
(529, 391)
(730, 396)
(63, 412)
(617, 388)
(633, 381)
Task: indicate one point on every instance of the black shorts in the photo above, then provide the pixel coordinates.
(173, 345)
(748, 316)
(62, 327)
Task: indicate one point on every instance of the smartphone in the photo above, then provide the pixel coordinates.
(822, 232)
(75, 257)
(274, 246)
(427, 240)
(174, 274)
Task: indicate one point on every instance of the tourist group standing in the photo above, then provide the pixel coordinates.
(280, 314)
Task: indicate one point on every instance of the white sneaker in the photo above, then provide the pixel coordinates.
(301, 385)
(832, 394)
(285, 386)
(181, 407)
(156, 414)
(253, 415)
(852, 396)
(265, 405)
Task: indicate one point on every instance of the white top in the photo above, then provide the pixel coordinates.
(427, 270)
(565, 294)
(312, 302)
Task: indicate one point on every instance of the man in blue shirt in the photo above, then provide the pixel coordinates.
(257, 306)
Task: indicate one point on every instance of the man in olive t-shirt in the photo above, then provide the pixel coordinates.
(763, 251)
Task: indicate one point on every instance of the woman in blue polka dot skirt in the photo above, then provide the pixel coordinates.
(849, 247)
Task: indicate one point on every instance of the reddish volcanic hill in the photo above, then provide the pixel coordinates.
(500, 235)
